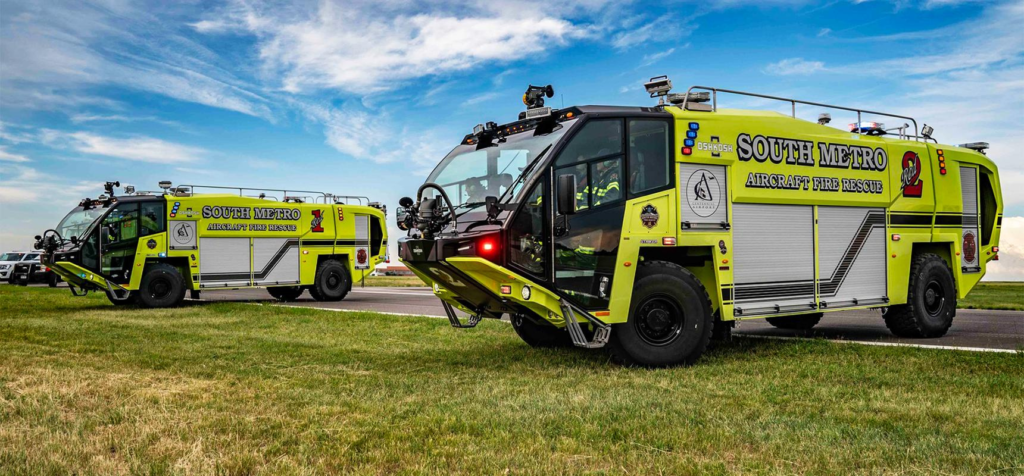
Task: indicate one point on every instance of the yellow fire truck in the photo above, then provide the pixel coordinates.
(653, 229)
(149, 248)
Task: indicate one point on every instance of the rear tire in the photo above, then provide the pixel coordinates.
(133, 299)
(540, 335)
(931, 300)
(332, 282)
(801, 323)
(161, 286)
(287, 293)
(670, 319)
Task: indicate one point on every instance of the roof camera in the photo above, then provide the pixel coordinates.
(534, 95)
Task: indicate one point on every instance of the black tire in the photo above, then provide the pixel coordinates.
(540, 335)
(332, 282)
(52, 280)
(670, 319)
(801, 323)
(133, 299)
(931, 300)
(287, 293)
(161, 286)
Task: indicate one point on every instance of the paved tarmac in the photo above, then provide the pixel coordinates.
(971, 328)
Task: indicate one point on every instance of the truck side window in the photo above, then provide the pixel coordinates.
(598, 138)
(151, 218)
(527, 235)
(649, 157)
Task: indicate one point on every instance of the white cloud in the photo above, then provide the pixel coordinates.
(824, 32)
(54, 51)
(11, 157)
(797, 66)
(656, 57)
(142, 149)
(659, 29)
(1010, 266)
(357, 49)
(374, 136)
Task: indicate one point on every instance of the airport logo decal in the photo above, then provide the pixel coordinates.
(316, 225)
(151, 244)
(912, 184)
(182, 233)
(649, 216)
(703, 194)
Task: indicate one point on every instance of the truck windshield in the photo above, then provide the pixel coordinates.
(77, 222)
(469, 175)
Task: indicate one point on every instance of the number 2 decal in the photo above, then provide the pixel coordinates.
(912, 183)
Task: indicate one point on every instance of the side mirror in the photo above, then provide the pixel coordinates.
(405, 202)
(566, 200)
(493, 209)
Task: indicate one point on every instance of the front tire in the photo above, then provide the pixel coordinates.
(931, 300)
(670, 319)
(540, 335)
(287, 293)
(161, 286)
(332, 282)
(800, 323)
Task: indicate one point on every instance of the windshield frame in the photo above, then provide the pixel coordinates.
(515, 142)
(87, 228)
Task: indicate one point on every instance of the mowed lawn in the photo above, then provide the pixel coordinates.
(88, 388)
(1005, 296)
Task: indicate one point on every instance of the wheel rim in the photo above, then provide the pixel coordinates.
(934, 298)
(333, 280)
(658, 321)
(159, 288)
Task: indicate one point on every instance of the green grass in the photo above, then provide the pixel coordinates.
(995, 295)
(395, 281)
(234, 388)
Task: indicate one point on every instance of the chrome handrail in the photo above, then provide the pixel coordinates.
(793, 102)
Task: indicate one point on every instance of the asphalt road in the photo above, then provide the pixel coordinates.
(971, 328)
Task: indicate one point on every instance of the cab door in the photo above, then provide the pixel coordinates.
(586, 243)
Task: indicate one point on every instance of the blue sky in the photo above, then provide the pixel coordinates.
(364, 97)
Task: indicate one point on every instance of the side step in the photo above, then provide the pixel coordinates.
(602, 331)
(454, 319)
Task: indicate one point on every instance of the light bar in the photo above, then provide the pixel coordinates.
(867, 127)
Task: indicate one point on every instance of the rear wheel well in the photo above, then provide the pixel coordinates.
(342, 258)
(942, 250)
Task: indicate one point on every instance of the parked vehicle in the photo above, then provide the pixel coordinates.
(27, 272)
(11, 258)
(652, 228)
(151, 247)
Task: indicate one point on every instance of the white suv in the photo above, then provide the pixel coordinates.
(8, 260)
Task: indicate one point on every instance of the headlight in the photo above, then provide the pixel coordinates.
(4, 266)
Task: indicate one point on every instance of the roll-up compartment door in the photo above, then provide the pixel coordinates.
(275, 260)
(969, 260)
(224, 262)
(773, 258)
(851, 256)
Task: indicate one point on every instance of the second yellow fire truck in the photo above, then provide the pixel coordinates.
(150, 248)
